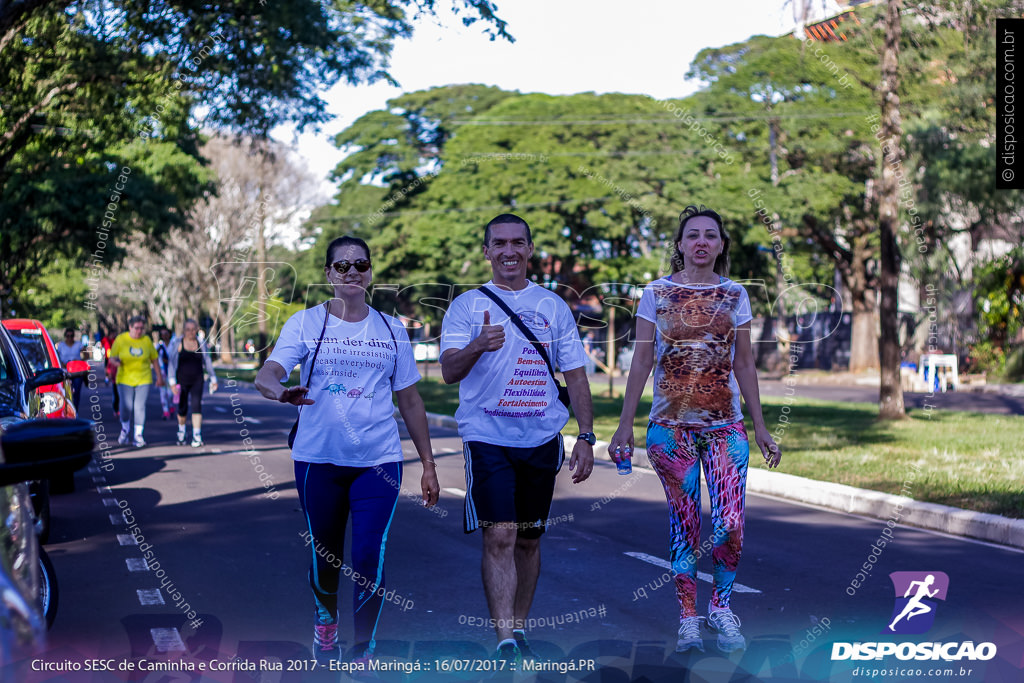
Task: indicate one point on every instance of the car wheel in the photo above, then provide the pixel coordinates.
(48, 587)
(39, 491)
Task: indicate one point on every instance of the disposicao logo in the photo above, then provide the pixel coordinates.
(916, 596)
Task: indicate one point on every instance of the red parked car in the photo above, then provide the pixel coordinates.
(39, 350)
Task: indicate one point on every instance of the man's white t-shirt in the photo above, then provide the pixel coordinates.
(352, 420)
(509, 397)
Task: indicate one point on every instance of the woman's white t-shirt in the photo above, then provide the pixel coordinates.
(351, 421)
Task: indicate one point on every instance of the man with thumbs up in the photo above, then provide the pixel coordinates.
(510, 418)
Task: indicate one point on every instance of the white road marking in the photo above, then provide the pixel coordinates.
(254, 420)
(220, 409)
(454, 491)
(117, 520)
(167, 640)
(110, 502)
(136, 564)
(150, 596)
(127, 539)
(103, 489)
(665, 564)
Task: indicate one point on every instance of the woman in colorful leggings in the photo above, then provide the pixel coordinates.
(696, 324)
(347, 449)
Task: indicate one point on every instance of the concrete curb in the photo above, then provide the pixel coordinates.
(883, 506)
(435, 420)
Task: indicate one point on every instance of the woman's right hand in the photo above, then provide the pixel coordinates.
(296, 396)
(621, 445)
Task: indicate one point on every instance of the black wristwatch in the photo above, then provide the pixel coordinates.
(588, 437)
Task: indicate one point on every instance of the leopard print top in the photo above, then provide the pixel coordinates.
(694, 385)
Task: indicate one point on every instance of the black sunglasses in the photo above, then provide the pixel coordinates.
(362, 265)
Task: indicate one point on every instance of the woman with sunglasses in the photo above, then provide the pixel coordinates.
(347, 448)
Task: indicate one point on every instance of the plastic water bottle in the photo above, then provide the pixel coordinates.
(624, 464)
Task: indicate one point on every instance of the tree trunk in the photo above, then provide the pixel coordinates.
(767, 345)
(261, 293)
(221, 321)
(890, 399)
(863, 343)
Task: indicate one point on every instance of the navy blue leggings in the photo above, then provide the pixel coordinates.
(328, 494)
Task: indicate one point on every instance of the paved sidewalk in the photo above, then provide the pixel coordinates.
(950, 520)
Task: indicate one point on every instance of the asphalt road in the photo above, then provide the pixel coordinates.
(226, 583)
(971, 401)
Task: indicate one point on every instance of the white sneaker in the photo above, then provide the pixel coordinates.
(727, 625)
(123, 439)
(139, 441)
(689, 634)
(197, 441)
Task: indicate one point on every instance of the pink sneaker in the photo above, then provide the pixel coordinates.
(325, 643)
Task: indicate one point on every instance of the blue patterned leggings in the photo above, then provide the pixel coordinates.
(677, 454)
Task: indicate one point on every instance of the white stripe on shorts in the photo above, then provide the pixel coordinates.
(471, 520)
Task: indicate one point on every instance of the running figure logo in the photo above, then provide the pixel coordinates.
(916, 592)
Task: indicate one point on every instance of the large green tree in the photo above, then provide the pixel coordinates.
(91, 87)
(800, 133)
(958, 204)
(600, 178)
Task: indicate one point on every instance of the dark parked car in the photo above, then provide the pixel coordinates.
(21, 398)
(40, 353)
(30, 450)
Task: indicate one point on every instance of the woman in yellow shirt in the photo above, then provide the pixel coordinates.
(132, 353)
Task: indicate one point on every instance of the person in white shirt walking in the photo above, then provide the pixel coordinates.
(68, 350)
(347, 448)
(510, 417)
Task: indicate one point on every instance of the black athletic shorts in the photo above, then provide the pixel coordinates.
(511, 486)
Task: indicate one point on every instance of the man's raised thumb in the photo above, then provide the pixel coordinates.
(487, 317)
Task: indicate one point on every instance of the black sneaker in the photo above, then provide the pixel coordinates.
(525, 651)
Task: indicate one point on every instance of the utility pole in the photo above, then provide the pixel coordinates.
(611, 352)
